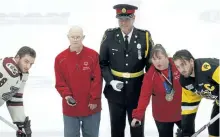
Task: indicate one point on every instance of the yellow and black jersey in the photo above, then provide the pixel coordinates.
(205, 84)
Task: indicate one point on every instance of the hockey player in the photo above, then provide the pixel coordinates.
(201, 77)
(13, 76)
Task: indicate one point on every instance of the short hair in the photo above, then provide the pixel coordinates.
(25, 50)
(158, 48)
(183, 55)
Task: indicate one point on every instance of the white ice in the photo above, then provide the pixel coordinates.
(194, 25)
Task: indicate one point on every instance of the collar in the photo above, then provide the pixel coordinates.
(129, 34)
(77, 53)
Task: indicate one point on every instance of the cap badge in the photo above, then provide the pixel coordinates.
(123, 10)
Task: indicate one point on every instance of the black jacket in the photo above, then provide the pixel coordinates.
(113, 55)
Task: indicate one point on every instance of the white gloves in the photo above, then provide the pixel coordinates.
(117, 85)
(135, 122)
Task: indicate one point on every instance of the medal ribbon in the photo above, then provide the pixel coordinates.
(167, 81)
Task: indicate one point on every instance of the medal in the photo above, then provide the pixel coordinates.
(169, 97)
(139, 51)
(139, 55)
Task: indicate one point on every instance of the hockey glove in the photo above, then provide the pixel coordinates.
(25, 127)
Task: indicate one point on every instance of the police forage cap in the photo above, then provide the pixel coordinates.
(125, 10)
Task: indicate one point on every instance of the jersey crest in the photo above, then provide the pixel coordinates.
(206, 66)
(11, 67)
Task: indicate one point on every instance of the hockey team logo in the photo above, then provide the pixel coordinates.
(206, 66)
(12, 68)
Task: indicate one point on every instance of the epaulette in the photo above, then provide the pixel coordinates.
(112, 29)
(142, 30)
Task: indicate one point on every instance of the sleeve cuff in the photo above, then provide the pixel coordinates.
(137, 115)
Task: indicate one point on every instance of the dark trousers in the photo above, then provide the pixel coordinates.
(214, 127)
(165, 129)
(118, 121)
(188, 124)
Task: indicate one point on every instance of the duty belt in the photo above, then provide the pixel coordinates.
(126, 74)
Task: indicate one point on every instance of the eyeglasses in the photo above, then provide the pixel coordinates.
(76, 38)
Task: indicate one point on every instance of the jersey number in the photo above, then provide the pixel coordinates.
(209, 87)
(2, 80)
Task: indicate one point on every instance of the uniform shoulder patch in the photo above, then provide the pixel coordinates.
(11, 67)
(142, 30)
(206, 66)
(112, 29)
(104, 38)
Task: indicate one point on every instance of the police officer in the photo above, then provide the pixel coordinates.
(124, 55)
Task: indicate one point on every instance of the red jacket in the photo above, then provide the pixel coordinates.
(162, 110)
(79, 76)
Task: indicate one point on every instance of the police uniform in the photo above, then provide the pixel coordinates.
(126, 64)
(205, 84)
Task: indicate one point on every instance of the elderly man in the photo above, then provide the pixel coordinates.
(124, 54)
(79, 82)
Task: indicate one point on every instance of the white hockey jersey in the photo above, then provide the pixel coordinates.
(12, 83)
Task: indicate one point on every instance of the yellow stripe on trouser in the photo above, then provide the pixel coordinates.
(126, 74)
(147, 44)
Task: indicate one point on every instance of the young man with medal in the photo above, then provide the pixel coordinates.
(199, 77)
(124, 56)
(162, 83)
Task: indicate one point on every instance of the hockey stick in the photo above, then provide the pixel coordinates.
(205, 126)
(10, 124)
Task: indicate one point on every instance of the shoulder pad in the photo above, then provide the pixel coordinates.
(112, 29)
(11, 67)
(142, 30)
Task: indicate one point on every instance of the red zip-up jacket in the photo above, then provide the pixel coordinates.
(79, 76)
(162, 110)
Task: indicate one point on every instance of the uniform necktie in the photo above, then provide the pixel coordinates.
(126, 42)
